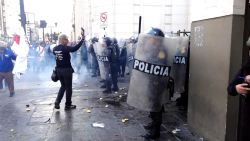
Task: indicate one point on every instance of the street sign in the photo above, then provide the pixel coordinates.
(103, 20)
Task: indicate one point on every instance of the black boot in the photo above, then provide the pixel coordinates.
(149, 126)
(103, 86)
(108, 87)
(57, 106)
(69, 107)
(115, 88)
(155, 126)
(107, 91)
(153, 134)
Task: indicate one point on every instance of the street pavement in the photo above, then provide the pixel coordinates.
(30, 116)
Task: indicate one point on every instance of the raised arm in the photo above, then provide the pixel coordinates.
(75, 48)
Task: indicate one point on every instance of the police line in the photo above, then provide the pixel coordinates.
(153, 69)
(180, 60)
(102, 58)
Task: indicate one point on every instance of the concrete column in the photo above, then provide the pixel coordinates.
(216, 56)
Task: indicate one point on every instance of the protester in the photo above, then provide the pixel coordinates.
(6, 66)
(65, 70)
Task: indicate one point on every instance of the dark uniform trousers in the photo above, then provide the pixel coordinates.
(156, 118)
(244, 122)
(122, 67)
(65, 76)
(114, 75)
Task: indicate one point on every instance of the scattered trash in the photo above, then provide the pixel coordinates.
(100, 98)
(28, 109)
(98, 125)
(122, 88)
(116, 92)
(201, 139)
(88, 110)
(86, 85)
(185, 124)
(120, 96)
(112, 101)
(107, 106)
(125, 93)
(124, 120)
(175, 131)
(47, 121)
(11, 130)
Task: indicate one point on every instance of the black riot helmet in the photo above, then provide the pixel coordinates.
(94, 40)
(108, 41)
(114, 41)
(156, 32)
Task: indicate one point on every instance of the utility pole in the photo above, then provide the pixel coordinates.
(139, 30)
(74, 20)
(22, 15)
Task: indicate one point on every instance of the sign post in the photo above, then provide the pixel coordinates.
(103, 21)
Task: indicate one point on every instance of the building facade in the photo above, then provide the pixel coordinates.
(10, 15)
(2, 18)
(116, 18)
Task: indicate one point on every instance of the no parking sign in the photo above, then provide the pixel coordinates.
(103, 20)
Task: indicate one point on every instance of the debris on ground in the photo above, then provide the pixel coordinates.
(28, 109)
(116, 92)
(175, 131)
(85, 85)
(106, 106)
(124, 120)
(100, 98)
(11, 130)
(87, 110)
(47, 121)
(98, 125)
(111, 101)
(122, 88)
(120, 96)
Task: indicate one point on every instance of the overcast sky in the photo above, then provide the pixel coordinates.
(52, 11)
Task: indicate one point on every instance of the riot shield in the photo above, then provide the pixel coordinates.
(150, 74)
(102, 54)
(131, 47)
(179, 52)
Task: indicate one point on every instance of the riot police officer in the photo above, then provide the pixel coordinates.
(123, 59)
(150, 76)
(103, 54)
(94, 65)
(113, 57)
(114, 63)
